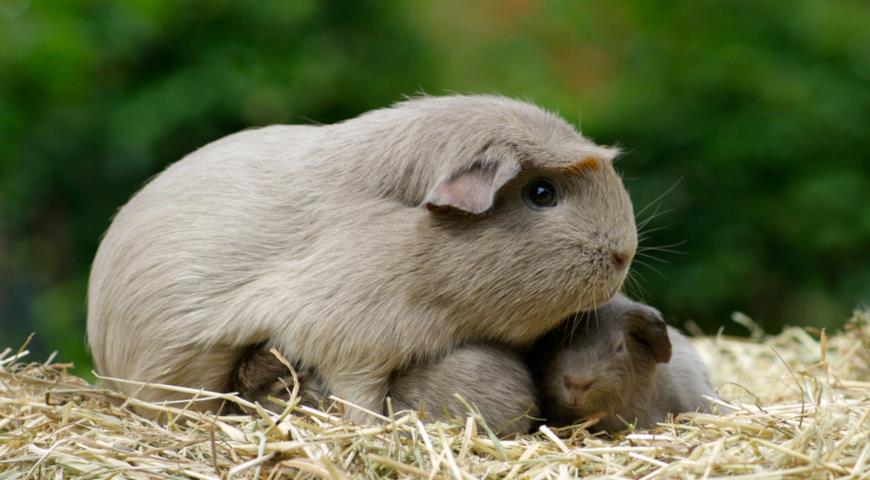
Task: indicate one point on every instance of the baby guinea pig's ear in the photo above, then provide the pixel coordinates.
(646, 326)
(471, 190)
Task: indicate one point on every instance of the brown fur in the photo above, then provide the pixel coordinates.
(635, 368)
(260, 375)
(588, 163)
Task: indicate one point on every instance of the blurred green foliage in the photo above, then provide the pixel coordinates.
(745, 126)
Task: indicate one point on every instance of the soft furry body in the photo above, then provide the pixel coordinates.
(493, 379)
(634, 368)
(316, 240)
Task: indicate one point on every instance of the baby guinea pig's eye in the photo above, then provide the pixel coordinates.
(619, 346)
(540, 193)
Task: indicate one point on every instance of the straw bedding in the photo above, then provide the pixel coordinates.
(801, 403)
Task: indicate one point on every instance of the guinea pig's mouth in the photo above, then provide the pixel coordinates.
(576, 407)
(585, 402)
(613, 291)
(585, 413)
(601, 297)
(578, 402)
(594, 292)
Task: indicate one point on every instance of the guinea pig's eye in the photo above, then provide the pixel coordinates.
(619, 347)
(540, 193)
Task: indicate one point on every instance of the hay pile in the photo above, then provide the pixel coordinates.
(801, 405)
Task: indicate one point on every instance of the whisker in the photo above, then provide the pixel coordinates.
(574, 321)
(669, 190)
(595, 314)
(666, 248)
(643, 235)
(647, 265)
(639, 281)
(576, 314)
(656, 213)
(652, 257)
(632, 283)
(667, 245)
(661, 249)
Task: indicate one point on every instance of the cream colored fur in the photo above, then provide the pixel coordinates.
(316, 240)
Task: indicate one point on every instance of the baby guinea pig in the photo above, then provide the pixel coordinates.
(493, 379)
(621, 361)
(260, 375)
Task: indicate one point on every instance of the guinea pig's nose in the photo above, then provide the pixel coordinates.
(576, 383)
(621, 258)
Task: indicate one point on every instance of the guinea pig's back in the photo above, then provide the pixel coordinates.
(206, 226)
(493, 379)
(684, 381)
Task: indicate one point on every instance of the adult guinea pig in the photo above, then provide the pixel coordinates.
(621, 361)
(493, 379)
(359, 247)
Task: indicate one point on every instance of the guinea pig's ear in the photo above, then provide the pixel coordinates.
(471, 190)
(646, 326)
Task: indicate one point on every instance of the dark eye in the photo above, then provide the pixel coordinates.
(540, 193)
(620, 347)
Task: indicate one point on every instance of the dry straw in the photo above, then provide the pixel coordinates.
(801, 403)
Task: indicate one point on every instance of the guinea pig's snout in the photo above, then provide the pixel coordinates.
(621, 258)
(614, 253)
(576, 387)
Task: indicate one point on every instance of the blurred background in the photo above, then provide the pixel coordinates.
(745, 125)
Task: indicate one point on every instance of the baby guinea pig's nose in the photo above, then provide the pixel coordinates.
(576, 388)
(577, 383)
